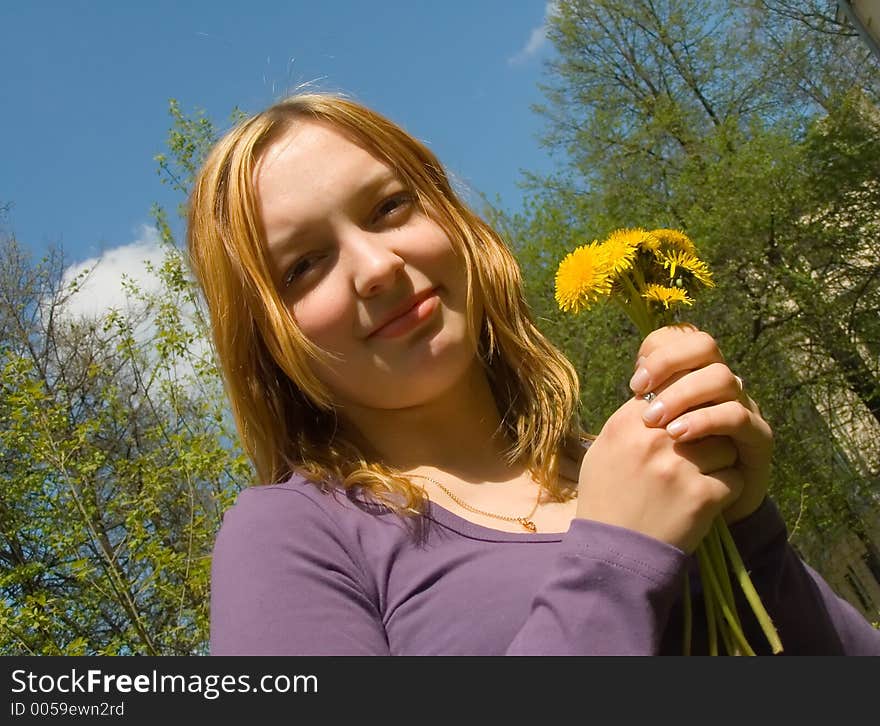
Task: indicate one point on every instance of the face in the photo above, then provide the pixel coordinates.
(366, 273)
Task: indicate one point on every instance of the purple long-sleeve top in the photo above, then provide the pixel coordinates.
(297, 571)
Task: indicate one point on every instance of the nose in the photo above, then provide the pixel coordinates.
(374, 261)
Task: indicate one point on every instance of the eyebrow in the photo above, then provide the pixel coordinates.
(366, 190)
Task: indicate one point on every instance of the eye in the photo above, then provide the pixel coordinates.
(394, 206)
(298, 269)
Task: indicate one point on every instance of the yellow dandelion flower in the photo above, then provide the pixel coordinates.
(620, 248)
(646, 241)
(582, 278)
(666, 296)
(673, 259)
(673, 239)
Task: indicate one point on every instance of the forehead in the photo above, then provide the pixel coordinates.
(308, 171)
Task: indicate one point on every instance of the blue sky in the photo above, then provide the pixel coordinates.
(85, 89)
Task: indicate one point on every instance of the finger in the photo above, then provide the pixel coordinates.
(714, 383)
(713, 493)
(670, 353)
(731, 418)
(728, 485)
(709, 454)
(663, 336)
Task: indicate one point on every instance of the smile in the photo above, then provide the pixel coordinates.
(410, 320)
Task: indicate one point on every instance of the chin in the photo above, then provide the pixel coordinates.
(420, 386)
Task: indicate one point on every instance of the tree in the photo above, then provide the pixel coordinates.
(753, 128)
(117, 461)
(118, 454)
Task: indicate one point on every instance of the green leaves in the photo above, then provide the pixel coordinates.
(117, 461)
(189, 139)
(118, 455)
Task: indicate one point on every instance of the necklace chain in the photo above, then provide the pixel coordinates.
(525, 521)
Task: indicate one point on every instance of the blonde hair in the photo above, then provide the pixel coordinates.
(284, 414)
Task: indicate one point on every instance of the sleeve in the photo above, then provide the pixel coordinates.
(609, 592)
(810, 618)
(284, 581)
(613, 591)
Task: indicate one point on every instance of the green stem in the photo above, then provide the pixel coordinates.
(708, 601)
(640, 278)
(719, 565)
(637, 309)
(727, 637)
(713, 540)
(745, 582)
(711, 581)
(634, 316)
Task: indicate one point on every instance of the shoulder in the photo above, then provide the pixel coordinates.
(297, 497)
(292, 506)
(286, 557)
(300, 517)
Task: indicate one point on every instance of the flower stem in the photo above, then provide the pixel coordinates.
(708, 601)
(710, 584)
(636, 308)
(745, 582)
(719, 564)
(713, 540)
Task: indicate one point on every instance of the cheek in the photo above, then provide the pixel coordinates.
(323, 319)
(440, 258)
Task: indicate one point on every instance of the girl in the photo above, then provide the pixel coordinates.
(426, 487)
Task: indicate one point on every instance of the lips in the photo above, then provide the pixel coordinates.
(402, 309)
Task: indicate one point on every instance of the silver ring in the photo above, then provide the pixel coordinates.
(650, 396)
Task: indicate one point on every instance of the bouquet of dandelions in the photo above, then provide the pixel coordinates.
(651, 274)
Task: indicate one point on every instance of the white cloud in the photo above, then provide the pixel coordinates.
(537, 38)
(103, 288)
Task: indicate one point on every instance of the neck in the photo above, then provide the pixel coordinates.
(459, 432)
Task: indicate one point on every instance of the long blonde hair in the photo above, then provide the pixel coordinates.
(284, 414)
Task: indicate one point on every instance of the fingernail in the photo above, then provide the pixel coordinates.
(639, 381)
(639, 362)
(677, 427)
(653, 413)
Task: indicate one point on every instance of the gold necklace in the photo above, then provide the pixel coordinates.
(525, 521)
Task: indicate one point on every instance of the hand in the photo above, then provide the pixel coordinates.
(699, 396)
(639, 476)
